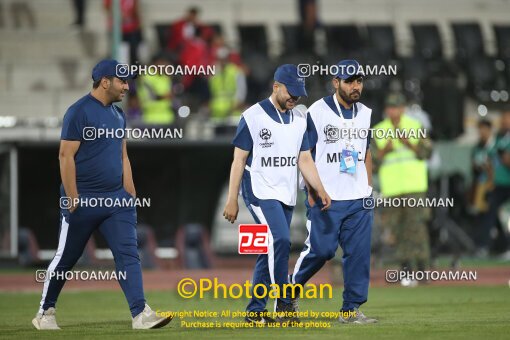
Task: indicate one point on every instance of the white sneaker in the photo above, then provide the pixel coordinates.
(408, 282)
(355, 316)
(46, 320)
(149, 319)
(505, 256)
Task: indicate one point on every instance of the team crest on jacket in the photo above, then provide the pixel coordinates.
(332, 134)
(265, 135)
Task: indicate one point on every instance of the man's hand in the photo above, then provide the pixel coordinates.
(66, 155)
(127, 174)
(236, 174)
(132, 193)
(404, 141)
(74, 204)
(388, 147)
(311, 176)
(326, 200)
(313, 196)
(407, 143)
(231, 210)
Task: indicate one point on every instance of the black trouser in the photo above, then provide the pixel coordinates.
(134, 39)
(79, 10)
(498, 197)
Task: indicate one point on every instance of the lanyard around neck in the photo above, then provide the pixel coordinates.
(339, 108)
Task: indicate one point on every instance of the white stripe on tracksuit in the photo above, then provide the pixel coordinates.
(304, 253)
(56, 259)
(270, 246)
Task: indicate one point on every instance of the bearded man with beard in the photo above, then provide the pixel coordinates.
(339, 137)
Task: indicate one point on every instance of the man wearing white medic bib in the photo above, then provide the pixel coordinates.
(338, 127)
(270, 144)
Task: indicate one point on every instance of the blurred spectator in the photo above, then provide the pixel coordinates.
(131, 25)
(308, 12)
(183, 29)
(79, 13)
(482, 183)
(155, 96)
(403, 174)
(227, 87)
(195, 52)
(500, 156)
(218, 43)
(482, 176)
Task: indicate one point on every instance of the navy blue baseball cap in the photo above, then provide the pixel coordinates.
(287, 74)
(112, 68)
(349, 68)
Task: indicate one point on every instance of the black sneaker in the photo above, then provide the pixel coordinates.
(295, 304)
(259, 318)
(286, 313)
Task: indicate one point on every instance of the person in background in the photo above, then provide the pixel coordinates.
(309, 15)
(131, 25)
(79, 12)
(482, 183)
(227, 87)
(155, 96)
(218, 43)
(500, 167)
(183, 29)
(403, 174)
(194, 53)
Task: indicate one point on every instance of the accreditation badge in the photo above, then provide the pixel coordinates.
(348, 161)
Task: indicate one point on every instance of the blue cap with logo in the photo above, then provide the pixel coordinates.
(111, 68)
(349, 68)
(287, 74)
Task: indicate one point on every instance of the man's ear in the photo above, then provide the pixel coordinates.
(336, 83)
(275, 87)
(106, 82)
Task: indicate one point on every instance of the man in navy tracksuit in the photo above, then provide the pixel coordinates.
(95, 167)
(270, 145)
(344, 162)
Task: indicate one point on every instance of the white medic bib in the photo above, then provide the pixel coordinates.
(328, 151)
(275, 153)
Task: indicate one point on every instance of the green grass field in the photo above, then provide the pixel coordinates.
(403, 313)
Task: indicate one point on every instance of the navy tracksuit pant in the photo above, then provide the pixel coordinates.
(345, 223)
(273, 267)
(118, 226)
